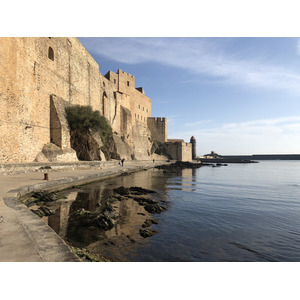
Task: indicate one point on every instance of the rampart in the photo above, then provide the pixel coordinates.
(158, 128)
(179, 150)
(34, 71)
(39, 77)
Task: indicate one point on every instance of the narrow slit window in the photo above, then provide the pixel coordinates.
(51, 53)
(127, 83)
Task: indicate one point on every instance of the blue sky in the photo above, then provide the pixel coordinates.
(235, 95)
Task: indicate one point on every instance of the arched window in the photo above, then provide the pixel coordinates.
(51, 53)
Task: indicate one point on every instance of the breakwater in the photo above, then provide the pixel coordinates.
(264, 157)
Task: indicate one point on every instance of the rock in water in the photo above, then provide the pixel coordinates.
(147, 232)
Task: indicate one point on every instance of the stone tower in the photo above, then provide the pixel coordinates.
(194, 153)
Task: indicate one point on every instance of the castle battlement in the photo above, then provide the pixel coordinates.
(157, 119)
(158, 128)
(58, 72)
(124, 73)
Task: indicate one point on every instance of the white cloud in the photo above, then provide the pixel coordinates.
(277, 135)
(198, 56)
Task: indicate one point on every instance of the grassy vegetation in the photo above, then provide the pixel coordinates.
(84, 117)
(81, 119)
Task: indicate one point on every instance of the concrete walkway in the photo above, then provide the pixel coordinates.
(24, 237)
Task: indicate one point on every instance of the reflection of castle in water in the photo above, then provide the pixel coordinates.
(93, 196)
(131, 215)
(187, 180)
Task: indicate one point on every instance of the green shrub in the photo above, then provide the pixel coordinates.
(80, 117)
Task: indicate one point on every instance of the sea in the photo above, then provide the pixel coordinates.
(234, 213)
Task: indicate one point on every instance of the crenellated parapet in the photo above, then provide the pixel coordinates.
(158, 128)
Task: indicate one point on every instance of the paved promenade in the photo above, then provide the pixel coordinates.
(24, 237)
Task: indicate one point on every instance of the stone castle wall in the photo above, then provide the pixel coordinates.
(35, 69)
(179, 150)
(39, 77)
(158, 128)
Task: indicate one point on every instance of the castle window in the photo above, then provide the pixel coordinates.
(51, 53)
(115, 81)
(138, 116)
(127, 83)
(146, 109)
(115, 95)
(143, 108)
(139, 106)
(135, 115)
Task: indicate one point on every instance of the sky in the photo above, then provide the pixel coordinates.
(235, 95)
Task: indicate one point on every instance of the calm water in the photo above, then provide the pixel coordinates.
(242, 212)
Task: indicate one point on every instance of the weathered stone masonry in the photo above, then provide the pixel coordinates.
(39, 77)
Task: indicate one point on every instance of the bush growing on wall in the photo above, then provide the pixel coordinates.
(81, 120)
(80, 117)
(84, 117)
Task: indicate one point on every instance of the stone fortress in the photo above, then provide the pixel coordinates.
(40, 77)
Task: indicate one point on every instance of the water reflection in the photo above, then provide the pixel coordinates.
(185, 180)
(237, 213)
(124, 236)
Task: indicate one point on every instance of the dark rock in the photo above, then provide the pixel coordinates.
(144, 201)
(102, 221)
(135, 190)
(140, 191)
(154, 208)
(147, 232)
(46, 211)
(179, 165)
(42, 211)
(105, 220)
(149, 222)
(122, 191)
(45, 196)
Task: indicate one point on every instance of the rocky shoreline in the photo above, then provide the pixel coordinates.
(109, 222)
(104, 219)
